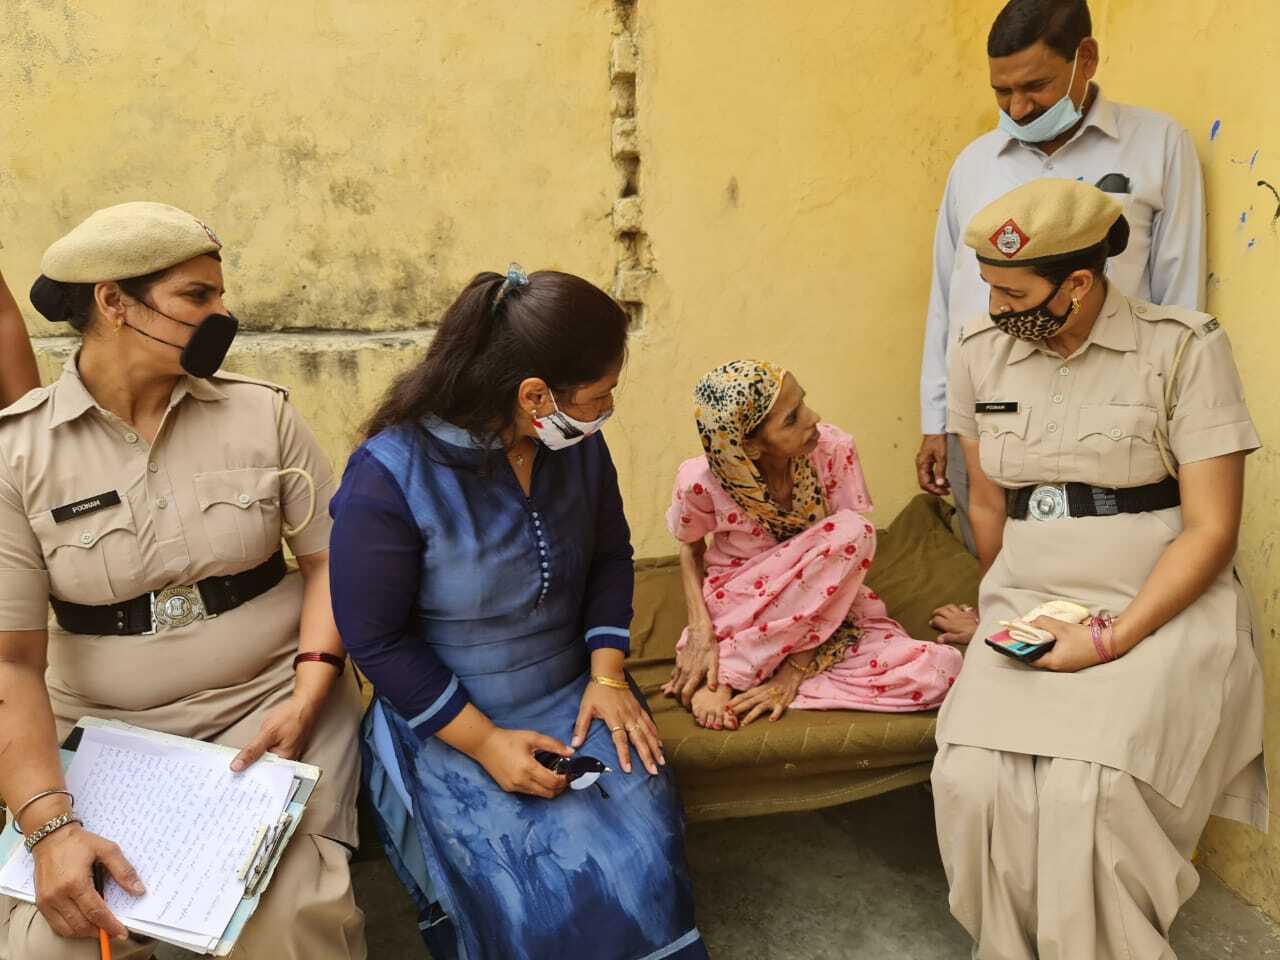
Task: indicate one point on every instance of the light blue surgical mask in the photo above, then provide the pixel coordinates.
(1051, 124)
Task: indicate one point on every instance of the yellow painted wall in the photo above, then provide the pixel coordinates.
(361, 160)
(793, 158)
(1216, 60)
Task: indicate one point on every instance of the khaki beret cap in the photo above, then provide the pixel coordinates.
(1044, 221)
(127, 240)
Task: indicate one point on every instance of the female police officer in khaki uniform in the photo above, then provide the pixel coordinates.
(145, 495)
(1106, 440)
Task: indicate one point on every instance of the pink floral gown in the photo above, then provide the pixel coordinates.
(767, 599)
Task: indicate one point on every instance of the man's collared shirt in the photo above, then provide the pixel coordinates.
(1165, 259)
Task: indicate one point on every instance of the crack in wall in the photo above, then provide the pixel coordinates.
(635, 267)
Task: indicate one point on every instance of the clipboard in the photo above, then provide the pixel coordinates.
(262, 850)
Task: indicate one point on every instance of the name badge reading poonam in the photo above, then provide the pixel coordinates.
(996, 406)
(100, 501)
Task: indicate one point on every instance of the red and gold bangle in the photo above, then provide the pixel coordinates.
(317, 656)
(1096, 626)
(1111, 637)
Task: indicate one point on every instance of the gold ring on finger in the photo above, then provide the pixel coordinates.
(614, 729)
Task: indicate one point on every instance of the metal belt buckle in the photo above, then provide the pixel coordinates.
(176, 607)
(1048, 502)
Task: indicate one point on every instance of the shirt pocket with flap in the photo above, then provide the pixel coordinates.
(1117, 444)
(241, 512)
(1002, 443)
(93, 558)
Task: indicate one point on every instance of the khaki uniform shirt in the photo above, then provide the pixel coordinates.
(1092, 417)
(1095, 418)
(205, 499)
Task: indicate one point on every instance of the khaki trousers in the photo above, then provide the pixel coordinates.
(1062, 860)
(307, 913)
(1055, 859)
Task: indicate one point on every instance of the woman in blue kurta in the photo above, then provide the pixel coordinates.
(482, 579)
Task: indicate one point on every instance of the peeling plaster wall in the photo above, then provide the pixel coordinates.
(361, 161)
(761, 181)
(793, 159)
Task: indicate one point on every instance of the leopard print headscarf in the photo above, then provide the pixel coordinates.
(730, 402)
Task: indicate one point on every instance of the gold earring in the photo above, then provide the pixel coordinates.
(1075, 305)
(119, 327)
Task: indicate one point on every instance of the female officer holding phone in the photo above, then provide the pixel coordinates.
(1105, 439)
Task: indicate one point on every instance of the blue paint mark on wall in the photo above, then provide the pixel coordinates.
(1251, 243)
(1253, 159)
(1214, 130)
(1244, 215)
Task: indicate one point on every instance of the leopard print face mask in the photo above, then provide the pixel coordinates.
(1038, 323)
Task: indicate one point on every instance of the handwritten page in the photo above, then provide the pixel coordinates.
(182, 818)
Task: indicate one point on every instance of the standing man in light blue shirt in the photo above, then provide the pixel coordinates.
(1055, 122)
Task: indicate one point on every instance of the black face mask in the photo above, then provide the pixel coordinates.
(208, 346)
(1038, 323)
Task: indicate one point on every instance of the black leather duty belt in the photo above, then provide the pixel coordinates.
(1054, 501)
(173, 606)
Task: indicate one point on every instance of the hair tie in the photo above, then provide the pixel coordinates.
(515, 279)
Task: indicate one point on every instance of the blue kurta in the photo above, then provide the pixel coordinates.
(450, 585)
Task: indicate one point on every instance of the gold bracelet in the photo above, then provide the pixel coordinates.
(610, 682)
(803, 671)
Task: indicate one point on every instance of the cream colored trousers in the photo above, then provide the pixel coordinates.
(308, 913)
(1051, 859)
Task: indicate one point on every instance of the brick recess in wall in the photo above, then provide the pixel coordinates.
(635, 259)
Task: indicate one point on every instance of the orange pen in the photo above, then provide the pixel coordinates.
(100, 884)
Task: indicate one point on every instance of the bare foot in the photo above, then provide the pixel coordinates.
(957, 624)
(711, 708)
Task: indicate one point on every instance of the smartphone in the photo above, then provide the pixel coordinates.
(1026, 652)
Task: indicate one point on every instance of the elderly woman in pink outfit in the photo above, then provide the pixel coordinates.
(779, 614)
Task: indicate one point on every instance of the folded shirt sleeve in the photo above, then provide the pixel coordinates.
(24, 578)
(960, 396)
(611, 579)
(1210, 418)
(374, 569)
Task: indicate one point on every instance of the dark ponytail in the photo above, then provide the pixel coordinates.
(1093, 259)
(557, 327)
